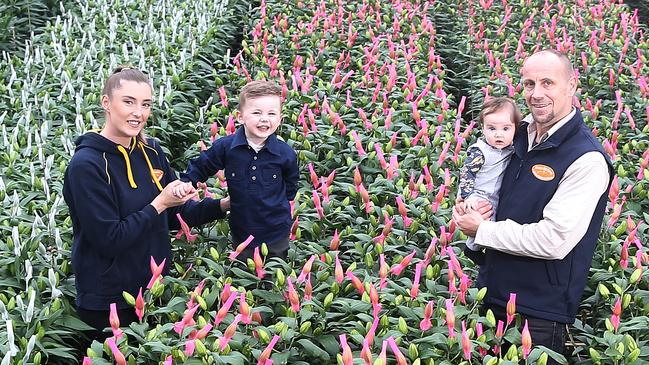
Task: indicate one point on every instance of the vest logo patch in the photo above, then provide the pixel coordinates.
(158, 174)
(543, 172)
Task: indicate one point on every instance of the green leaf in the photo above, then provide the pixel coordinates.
(311, 349)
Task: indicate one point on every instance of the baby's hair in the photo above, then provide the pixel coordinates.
(256, 89)
(125, 73)
(495, 104)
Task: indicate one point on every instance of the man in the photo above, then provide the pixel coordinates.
(552, 202)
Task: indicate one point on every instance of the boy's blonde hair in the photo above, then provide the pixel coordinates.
(495, 104)
(256, 89)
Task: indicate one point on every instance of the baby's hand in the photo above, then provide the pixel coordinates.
(471, 203)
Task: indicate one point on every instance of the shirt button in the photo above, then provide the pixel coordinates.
(274, 176)
(254, 158)
(233, 174)
(254, 167)
(254, 178)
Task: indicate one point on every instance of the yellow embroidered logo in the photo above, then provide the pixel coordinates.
(158, 174)
(543, 172)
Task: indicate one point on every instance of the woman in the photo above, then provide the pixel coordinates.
(118, 187)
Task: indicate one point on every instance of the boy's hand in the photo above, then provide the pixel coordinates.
(182, 189)
(169, 198)
(225, 204)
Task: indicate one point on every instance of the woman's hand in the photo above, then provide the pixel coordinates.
(171, 195)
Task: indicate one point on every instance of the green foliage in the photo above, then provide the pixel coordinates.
(21, 18)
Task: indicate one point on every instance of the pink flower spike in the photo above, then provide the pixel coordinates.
(202, 333)
(317, 204)
(187, 320)
(347, 356)
(404, 212)
(265, 355)
(113, 318)
(511, 308)
(369, 337)
(305, 270)
(223, 311)
(450, 318)
(139, 305)
(425, 323)
(293, 298)
(86, 361)
(229, 332)
(156, 271)
(338, 271)
(259, 263)
(169, 360)
(190, 346)
(308, 288)
(466, 343)
(414, 290)
(117, 354)
(185, 230)
(366, 353)
(526, 341)
(315, 180)
(242, 246)
(401, 360)
(244, 309)
(383, 271)
(398, 268)
(358, 143)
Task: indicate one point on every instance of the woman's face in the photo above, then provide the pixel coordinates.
(127, 111)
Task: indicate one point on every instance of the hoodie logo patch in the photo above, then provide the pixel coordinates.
(543, 172)
(158, 174)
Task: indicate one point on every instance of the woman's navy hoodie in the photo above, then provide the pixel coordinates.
(108, 189)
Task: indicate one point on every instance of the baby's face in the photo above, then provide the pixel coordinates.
(499, 128)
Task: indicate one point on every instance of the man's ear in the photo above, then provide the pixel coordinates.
(237, 116)
(572, 85)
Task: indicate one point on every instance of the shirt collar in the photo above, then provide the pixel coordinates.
(531, 128)
(240, 140)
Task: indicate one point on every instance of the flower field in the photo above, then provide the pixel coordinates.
(379, 99)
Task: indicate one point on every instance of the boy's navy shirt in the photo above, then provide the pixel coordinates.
(260, 185)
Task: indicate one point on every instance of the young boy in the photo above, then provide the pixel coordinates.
(261, 171)
(482, 172)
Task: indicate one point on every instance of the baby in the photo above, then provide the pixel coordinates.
(482, 172)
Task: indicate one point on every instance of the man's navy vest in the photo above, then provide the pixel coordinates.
(547, 289)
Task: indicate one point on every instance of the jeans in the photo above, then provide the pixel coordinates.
(543, 332)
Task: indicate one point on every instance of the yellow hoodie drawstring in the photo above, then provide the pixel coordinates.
(148, 162)
(129, 172)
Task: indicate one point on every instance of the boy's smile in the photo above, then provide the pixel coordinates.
(260, 117)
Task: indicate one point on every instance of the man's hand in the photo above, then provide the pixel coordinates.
(468, 221)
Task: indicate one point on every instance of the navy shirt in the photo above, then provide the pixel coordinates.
(260, 185)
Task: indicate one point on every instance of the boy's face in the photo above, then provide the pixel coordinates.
(260, 117)
(499, 128)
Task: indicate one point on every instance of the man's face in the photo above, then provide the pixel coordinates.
(548, 88)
